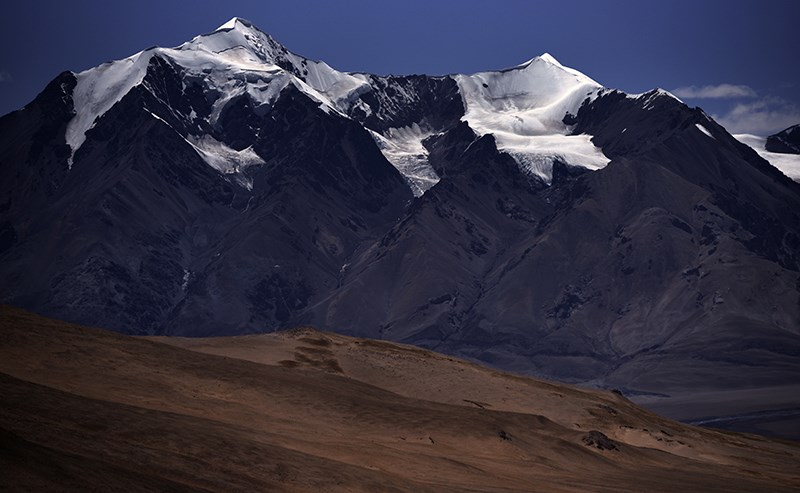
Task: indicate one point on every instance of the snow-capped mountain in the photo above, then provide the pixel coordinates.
(237, 60)
(523, 107)
(527, 217)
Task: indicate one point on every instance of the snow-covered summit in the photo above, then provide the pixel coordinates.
(529, 99)
(235, 59)
(547, 57)
(239, 39)
(232, 24)
(550, 59)
(524, 107)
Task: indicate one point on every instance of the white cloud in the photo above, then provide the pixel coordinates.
(721, 91)
(765, 116)
(4, 76)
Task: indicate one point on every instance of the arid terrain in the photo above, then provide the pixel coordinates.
(87, 409)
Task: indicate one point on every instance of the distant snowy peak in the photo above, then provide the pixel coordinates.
(524, 108)
(789, 164)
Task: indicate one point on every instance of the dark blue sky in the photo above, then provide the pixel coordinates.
(752, 46)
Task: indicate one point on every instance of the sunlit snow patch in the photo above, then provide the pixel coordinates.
(100, 88)
(541, 151)
(403, 148)
(704, 130)
(224, 159)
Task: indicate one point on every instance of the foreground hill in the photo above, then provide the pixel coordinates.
(310, 411)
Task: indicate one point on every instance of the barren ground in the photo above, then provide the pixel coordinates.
(86, 409)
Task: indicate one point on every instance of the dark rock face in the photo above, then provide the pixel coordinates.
(427, 273)
(405, 100)
(599, 440)
(786, 141)
(35, 136)
(677, 265)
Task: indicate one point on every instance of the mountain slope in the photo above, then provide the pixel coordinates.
(88, 408)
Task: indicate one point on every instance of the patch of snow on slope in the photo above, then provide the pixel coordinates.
(524, 108)
(185, 280)
(403, 148)
(100, 88)
(789, 164)
(575, 150)
(224, 159)
(704, 130)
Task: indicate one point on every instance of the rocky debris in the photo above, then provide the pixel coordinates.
(599, 440)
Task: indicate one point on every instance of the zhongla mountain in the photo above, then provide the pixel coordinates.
(529, 218)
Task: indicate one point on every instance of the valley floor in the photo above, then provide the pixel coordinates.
(771, 411)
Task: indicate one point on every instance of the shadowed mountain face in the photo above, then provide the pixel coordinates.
(681, 255)
(308, 411)
(527, 218)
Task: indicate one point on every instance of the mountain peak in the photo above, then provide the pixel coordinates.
(546, 65)
(547, 57)
(544, 57)
(233, 23)
(235, 34)
(524, 108)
